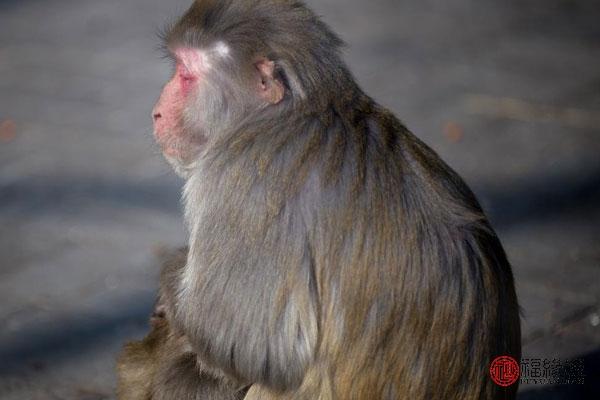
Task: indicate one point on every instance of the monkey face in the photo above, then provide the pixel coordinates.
(177, 138)
(208, 92)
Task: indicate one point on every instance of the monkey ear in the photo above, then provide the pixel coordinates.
(270, 87)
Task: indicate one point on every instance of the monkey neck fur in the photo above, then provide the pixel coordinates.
(273, 144)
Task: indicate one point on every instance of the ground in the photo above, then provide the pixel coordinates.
(507, 91)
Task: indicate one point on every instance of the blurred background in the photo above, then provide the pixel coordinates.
(507, 91)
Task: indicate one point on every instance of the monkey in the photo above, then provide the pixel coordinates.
(332, 254)
(162, 366)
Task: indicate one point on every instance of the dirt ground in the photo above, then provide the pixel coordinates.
(507, 91)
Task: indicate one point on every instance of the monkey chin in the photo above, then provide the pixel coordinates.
(181, 153)
(181, 167)
(183, 159)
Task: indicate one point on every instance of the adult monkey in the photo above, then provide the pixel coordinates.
(332, 254)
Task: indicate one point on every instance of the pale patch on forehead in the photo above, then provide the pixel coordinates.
(200, 60)
(222, 50)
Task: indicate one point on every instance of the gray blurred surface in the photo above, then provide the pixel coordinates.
(507, 91)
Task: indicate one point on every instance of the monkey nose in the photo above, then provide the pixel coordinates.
(156, 116)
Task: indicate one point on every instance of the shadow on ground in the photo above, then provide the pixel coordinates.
(542, 198)
(58, 340)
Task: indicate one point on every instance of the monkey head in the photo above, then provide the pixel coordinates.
(201, 100)
(242, 67)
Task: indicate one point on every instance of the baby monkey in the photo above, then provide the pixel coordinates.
(163, 366)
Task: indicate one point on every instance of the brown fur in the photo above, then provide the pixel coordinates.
(333, 255)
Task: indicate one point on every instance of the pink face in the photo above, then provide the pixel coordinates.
(178, 141)
(177, 94)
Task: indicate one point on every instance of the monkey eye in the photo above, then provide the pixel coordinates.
(187, 76)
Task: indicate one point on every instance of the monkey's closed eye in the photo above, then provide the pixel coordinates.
(187, 77)
(184, 73)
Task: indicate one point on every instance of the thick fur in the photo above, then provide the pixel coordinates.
(333, 255)
(163, 366)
